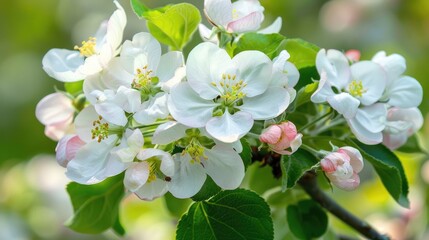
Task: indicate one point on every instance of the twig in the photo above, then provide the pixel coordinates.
(309, 184)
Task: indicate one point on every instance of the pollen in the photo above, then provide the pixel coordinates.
(88, 47)
(231, 89)
(195, 150)
(143, 80)
(100, 130)
(356, 88)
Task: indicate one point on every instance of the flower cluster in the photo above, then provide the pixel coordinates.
(378, 102)
(167, 123)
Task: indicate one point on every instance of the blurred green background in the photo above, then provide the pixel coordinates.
(33, 202)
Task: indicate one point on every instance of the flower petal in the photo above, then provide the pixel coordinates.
(356, 159)
(255, 69)
(373, 81)
(155, 108)
(89, 161)
(277, 98)
(346, 184)
(336, 66)
(368, 123)
(324, 90)
(152, 190)
(230, 128)
(142, 44)
(167, 163)
(136, 176)
(206, 63)
(275, 27)
(188, 108)
(345, 104)
(224, 166)
(62, 65)
(394, 64)
(219, 12)
(168, 65)
(188, 177)
(168, 132)
(404, 92)
(112, 113)
(251, 22)
(54, 108)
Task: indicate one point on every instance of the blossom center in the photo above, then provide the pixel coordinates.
(195, 150)
(231, 89)
(356, 88)
(100, 130)
(145, 82)
(88, 47)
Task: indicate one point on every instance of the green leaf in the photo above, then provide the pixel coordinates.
(230, 215)
(138, 7)
(118, 228)
(388, 167)
(177, 207)
(304, 94)
(173, 25)
(209, 189)
(246, 154)
(306, 76)
(270, 44)
(411, 146)
(74, 88)
(302, 53)
(294, 166)
(96, 207)
(307, 220)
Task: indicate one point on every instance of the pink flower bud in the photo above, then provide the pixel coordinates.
(353, 55)
(281, 137)
(55, 111)
(67, 148)
(342, 167)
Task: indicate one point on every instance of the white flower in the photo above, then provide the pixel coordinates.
(211, 35)
(240, 16)
(401, 124)
(56, 112)
(93, 56)
(226, 95)
(137, 83)
(401, 91)
(104, 153)
(346, 87)
(150, 177)
(201, 156)
(285, 74)
(342, 167)
(368, 123)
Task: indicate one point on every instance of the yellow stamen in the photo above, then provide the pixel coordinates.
(356, 88)
(88, 47)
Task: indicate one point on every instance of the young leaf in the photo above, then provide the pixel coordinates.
(118, 228)
(388, 167)
(177, 207)
(304, 94)
(306, 76)
(229, 215)
(307, 220)
(96, 207)
(74, 87)
(294, 167)
(173, 25)
(302, 53)
(270, 44)
(209, 189)
(246, 154)
(138, 7)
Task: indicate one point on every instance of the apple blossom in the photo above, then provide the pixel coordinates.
(226, 95)
(401, 91)
(93, 56)
(401, 124)
(342, 167)
(137, 83)
(238, 17)
(56, 112)
(108, 151)
(66, 149)
(346, 87)
(201, 156)
(353, 55)
(150, 177)
(281, 137)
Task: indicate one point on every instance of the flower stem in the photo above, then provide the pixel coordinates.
(309, 184)
(314, 122)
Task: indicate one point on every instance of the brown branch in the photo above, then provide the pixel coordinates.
(309, 184)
